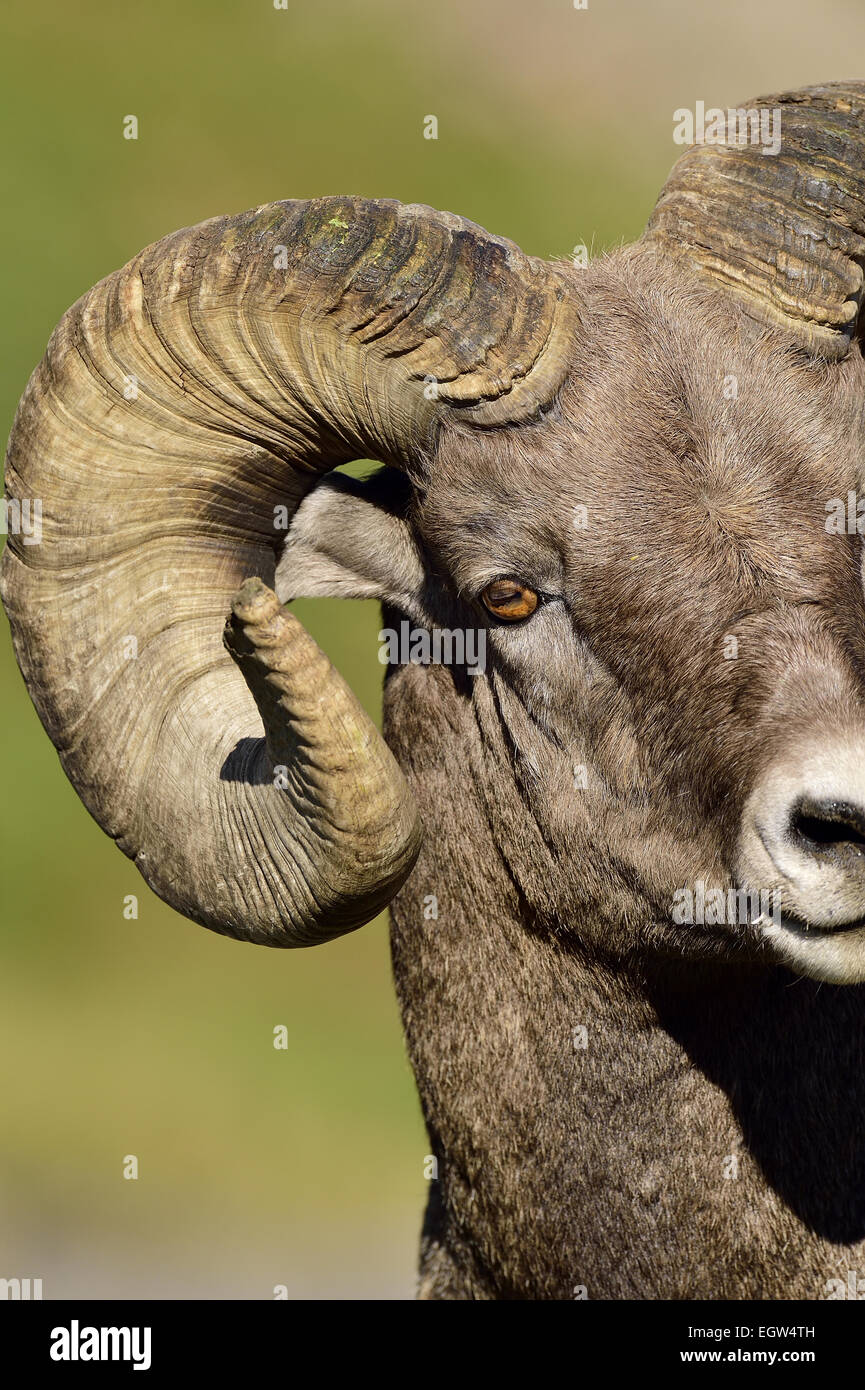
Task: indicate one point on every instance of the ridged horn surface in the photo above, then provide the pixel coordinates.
(181, 404)
(784, 232)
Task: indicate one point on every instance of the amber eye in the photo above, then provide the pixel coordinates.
(510, 600)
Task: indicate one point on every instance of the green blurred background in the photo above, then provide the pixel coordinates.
(152, 1037)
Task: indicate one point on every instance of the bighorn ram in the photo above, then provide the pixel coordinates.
(620, 475)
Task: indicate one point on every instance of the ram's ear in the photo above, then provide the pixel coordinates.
(352, 539)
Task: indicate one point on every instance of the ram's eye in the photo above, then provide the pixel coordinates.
(510, 600)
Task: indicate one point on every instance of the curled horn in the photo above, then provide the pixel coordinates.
(785, 232)
(180, 405)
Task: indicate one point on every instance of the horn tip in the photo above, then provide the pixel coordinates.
(254, 602)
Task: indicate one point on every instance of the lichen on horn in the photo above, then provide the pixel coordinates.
(180, 404)
(784, 232)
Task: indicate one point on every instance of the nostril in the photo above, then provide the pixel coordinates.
(803, 838)
(828, 827)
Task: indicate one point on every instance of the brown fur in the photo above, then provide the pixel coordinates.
(605, 1167)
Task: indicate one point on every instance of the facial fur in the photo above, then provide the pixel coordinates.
(674, 500)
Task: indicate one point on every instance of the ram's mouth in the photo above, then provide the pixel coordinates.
(835, 955)
(810, 930)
